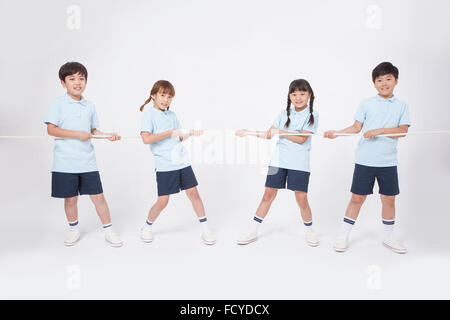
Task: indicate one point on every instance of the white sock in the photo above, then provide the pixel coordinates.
(388, 227)
(73, 225)
(308, 225)
(347, 226)
(148, 224)
(107, 227)
(257, 221)
(203, 222)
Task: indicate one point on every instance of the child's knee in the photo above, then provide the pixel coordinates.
(388, 200)
(98, 198)
(357, 199)
(71, 201)
(269, 194)
(162, 201)
(302, 199)
(192, 194)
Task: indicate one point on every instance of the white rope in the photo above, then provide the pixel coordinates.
(254, 133)
(354, 134)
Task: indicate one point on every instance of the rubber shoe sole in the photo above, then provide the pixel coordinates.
(147, 240)
(247, 242)
(394, 249)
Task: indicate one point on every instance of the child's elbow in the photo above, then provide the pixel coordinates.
(147, 140)
(50, 130)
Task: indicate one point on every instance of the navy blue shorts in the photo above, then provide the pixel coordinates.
(296, 180)
(364, 180)
(170, 182)
(68, 185)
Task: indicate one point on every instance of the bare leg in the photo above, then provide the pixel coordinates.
(159, 206)
(196, 201)
(388, 207)
(302, 201)
(354, 206)
(71, 209)
(101, 207)
(266, 202)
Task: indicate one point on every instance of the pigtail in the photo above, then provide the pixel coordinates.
(146, 101)
(311, 103)
(288, 111)
(160, 85)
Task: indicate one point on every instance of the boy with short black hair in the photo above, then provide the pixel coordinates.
(376, 156)
(72, 120)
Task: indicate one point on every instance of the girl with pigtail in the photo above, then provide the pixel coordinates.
(162, 131)
(290, 161)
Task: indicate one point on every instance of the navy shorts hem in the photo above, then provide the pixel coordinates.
(296, 180)
(364, 180)
(360, 193)
(171, 182)
(389, 194)
(68, 185)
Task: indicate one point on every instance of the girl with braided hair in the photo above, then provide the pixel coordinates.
(161, 130)
(290, 161)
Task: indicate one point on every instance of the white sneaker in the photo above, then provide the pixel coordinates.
(340, 244)
(146, 234)
(208, 237)
(72, 237)
(113, 239)
(247, 238)
(311, 238)
(394, 244)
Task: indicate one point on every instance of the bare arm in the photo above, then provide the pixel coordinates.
(354, 128)
(375, 132)
(113, 136)
(58, 132)
(296, 139)
(193, 132)
(149, 138)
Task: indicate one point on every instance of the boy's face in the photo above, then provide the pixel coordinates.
(299, 98)
(75, 85)
(162, 100)
(385, 85)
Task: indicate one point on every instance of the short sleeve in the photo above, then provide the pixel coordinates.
(147, 125)
(277, 122)
(53, 115)
(312, 127)
(404, 117)
(360, 114)
(94, 119)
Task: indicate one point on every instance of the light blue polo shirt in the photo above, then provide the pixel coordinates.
(375, 113)
(72, 155)
(169, 153)
(289, 154)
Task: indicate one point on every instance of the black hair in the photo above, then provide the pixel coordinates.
(300, 85)
(384, 68)
(70, 68)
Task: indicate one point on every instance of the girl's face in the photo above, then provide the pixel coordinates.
(75, 85)
(162, 100)
(299, 98)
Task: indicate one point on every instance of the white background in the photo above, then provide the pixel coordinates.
(231, 63)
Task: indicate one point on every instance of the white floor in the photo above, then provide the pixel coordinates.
(35, 264)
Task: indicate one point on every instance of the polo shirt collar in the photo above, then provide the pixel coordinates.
(391, 99)
(70, 100)
(159, 110)
(293, 111)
